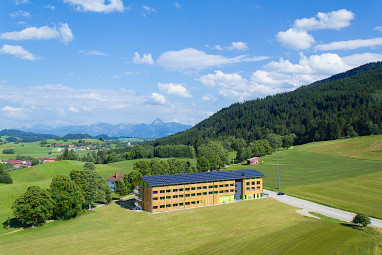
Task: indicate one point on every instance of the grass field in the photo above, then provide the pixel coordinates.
(262, 226)
(330, 173)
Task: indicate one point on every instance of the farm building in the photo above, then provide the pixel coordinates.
(253, 161)
(177, 191)
(113, 179)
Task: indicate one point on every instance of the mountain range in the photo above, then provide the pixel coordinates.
(156, 129)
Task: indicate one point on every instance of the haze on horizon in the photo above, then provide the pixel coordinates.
(75, 61)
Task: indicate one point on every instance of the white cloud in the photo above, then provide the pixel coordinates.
(331, 20)
(18, 2)
(378, 28)
(93, 52)
(115, 76)
(174, 89)
(131, 73)
(49, 6)
(350, 44)
(17, 51)
(190, 58)
(177, 5)
(209, 113)
(12, 112)
(97, 5)
(145, 59)
(209, 98)
(72, 109)
(43, 33)
(233, 46)
(295, 39)
(20, 13)
(363, 58)
(156, 98)
(148, 8)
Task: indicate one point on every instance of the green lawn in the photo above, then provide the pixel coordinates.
(262, 226)
(336, 176)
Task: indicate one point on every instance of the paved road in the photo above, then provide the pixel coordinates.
(321, 209)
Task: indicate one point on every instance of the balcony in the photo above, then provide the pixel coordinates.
(138, 198)
(138, 189)
(137, 206)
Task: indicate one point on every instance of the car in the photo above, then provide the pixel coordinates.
(281, 193)
(265, 195)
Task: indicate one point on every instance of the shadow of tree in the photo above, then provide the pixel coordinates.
(127, 204)
(353, 226)
(12, 223)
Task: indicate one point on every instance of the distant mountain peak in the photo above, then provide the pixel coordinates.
(157, 121)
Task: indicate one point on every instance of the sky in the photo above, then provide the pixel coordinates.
(68, 62)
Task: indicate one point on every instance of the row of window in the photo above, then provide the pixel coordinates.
(253, 183)
(193, 188)
(177, 204)
(194, 194)
(253, 188)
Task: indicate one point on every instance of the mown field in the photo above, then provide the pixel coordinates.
(339, 173)
(262, 226)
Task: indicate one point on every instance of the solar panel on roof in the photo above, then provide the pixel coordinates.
(160, 180)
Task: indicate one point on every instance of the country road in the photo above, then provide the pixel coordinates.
(308, 206)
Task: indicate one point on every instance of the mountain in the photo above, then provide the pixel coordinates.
(26, 136)
(156, 129)
(345, 104)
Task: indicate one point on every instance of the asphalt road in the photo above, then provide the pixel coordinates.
(308, 206)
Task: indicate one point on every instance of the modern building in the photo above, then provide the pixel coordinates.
(176, 191)
(253, 161)
(112, 180)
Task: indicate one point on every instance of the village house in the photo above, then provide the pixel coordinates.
(112, 180)
(253, 161)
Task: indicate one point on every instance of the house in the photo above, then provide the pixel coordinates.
(253, 161)
(178, 191)
(46, 160)
(113, 179)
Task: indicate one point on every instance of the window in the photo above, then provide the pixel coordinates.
(155, 207)
(187, 195)
(221, 191)
(247, 189)
(199, 202)
(168, 191)
(176, 196)
(155, 192)
(232, 190)
(193, 202)
(187, 189)
(204, 193)
(258, 182)
(180, 189)
(204, 187)
(175, 205)
(215, 186)
(162, 191)
(155, 198)
(210, 192)
(168, 205)
(226, 191)
(161, 198)
(247, 183)
(210, 187)
(253, 183)
(193, 194)
(258, 188)
(226, 185)
(180, 195)
(221, 186)
(199, 194)
(199, 188)
(215, 192)
(231, 185)
(175, 190)
(187, 203)
(161, 206)
(180, 204)
(193, 188)
(253, 188)
(168, 197)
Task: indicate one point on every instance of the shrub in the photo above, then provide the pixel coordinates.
(361, 219)
(5, 177)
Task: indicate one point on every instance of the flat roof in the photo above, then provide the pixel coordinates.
(171, 179)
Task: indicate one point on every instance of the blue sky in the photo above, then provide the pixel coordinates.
(80, 61)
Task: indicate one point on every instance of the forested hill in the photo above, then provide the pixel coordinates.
(345, 104)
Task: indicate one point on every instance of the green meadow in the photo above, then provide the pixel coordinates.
(344, 173)
(262, 226)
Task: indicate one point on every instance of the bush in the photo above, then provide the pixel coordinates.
(8, 151)
(361, 219)
(5, 177)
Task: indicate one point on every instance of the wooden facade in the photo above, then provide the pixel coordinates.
(179, 196)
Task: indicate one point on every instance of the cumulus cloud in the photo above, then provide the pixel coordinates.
(20, 13)
(156, 98)
(18, 2)
(283, 75)
(233, 46)
(297, 37)
(17, 51)
(350, 44)
(42, 33)
(209, 98)
(93, 52)
(145, 59)
(177, 5)
(378, 28)
(96, 5)
(190, 58)
(174, 89)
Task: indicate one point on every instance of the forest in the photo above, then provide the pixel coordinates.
(344, 105)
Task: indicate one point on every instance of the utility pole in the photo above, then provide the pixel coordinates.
(278, 171)
(233, 157)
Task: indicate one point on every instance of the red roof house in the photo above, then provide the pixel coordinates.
(113, 179)
(253, 161)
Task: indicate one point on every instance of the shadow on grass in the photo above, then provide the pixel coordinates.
(12, 223)
(353, 226)
(127, 204)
